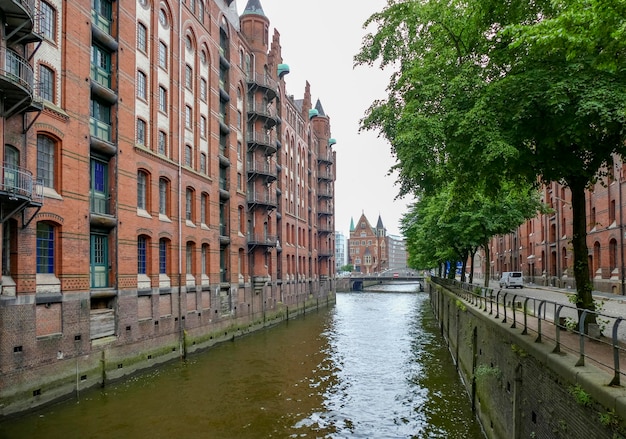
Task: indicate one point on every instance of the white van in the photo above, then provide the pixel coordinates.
(512, 279)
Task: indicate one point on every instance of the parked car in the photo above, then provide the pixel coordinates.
(512, 279)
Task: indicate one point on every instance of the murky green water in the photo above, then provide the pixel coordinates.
(373, 366)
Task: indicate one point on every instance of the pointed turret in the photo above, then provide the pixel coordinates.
(253, 7)
(319, 108)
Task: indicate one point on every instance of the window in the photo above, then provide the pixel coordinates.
(204, 208)
(188, 76)
(163, 18)
(203, 89)
(142, 38)
(99, 260)
(189, 258)
(188, 155)
(99, 191)
(205, 258)
(100, 122)
(189, 204)
(9, 245)
(201, 11)
(101, 66)
(142, 82)
(203, 163)
(188, 117)
(47, 25)
(162, 55)
(45, 160)
(104, 14)
(142, 246)
(45, 248)
(163, 196)
(46, 83)
(203, 127)
(141, 132)
(162, 143)
(142, 190)
(163, 253)
(162, 99)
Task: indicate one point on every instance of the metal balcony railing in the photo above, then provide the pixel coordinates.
(20, 182)
(17, 69)
(262, 80)
(100, 129)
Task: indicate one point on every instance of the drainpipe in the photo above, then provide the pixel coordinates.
(621, 230)
(181, 328)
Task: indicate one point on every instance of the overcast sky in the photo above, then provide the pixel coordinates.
(319, 40)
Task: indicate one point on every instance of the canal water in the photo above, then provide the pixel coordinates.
(373, 366)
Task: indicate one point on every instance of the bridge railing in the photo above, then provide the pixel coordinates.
(588, 335)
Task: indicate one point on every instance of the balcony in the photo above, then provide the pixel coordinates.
(325, 211)
(101, 211)
(262, 199)
(263, 140)
(263, 83)
(18, 190)
(324, 193)
(262, 168)
(327, 158)
(261, 239)
(100, 130)
(16, 83)
(21, 20)
(224, 188)
(260, 110)
(101, 22)
(324, 230)
(325, 174)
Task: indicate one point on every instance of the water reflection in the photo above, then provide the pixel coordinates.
(373, 366)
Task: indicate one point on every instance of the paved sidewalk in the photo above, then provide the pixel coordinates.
(598, 352)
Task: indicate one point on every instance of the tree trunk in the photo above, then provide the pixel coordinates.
(487, 264)
(584, 297)
(471, 273)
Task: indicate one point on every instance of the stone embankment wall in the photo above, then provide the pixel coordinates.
(520, 388)
(104, 364)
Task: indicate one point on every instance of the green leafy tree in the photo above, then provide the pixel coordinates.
(443, 226)
(491, 92)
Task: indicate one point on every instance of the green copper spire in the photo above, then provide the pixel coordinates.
(254, 7)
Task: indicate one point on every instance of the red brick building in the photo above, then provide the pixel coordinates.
(368, 247)
(159, 188)
(541, 248)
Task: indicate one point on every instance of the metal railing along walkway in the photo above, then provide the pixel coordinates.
(562, 324)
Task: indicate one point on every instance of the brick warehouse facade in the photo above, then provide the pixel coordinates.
(368, 247)
(160, 190)
(541, 247)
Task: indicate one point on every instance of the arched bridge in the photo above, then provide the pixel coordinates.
(358, 283)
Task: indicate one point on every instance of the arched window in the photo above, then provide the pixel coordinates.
(46, 153)
(143, 185)
(164, 196)
(190, 257)
(164, 255)
(189, 204)
(143, 254)
(612, 254)
(46, 247)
